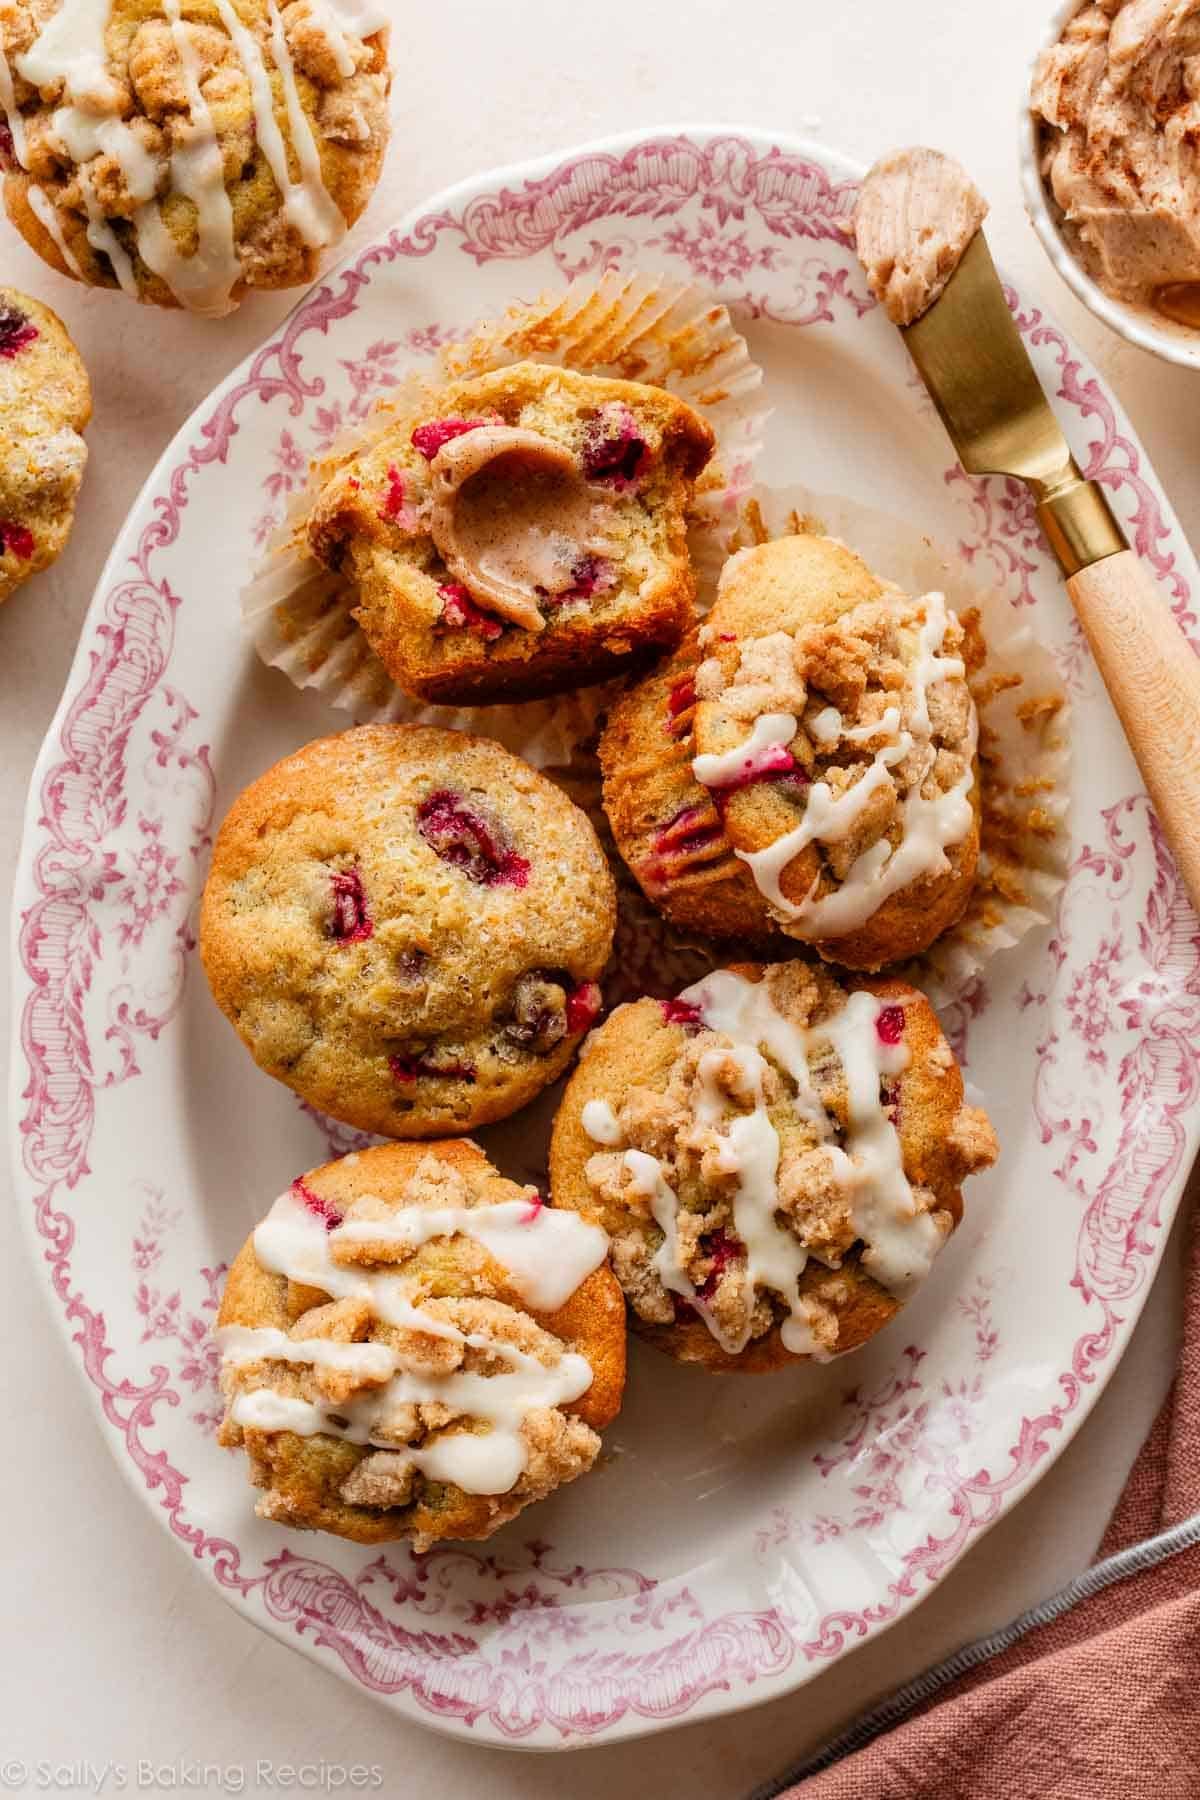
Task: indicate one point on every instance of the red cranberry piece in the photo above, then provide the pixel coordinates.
(890, 1024)
(17, 329)
(17, 539)
(584, 1006)
(8, 150)
(682, 1012)
(460, 613)
(431, 438)
(680, 701)
(351, 922)
(689, 829)
(407, 1069)
(324, 1210)
(613, 448)
(395, 508)
(534, 1212)
(724, 1249)
(460, 837)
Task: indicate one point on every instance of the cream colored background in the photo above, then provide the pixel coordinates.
(112, 1649)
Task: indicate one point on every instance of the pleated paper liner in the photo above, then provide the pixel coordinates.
(1024, 720)
(637, 327)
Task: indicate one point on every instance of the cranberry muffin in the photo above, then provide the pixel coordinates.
(777, 1158)
(414, 1347)
(666, 826)
(523, 532)
(406, 925)
(835, 729)
(45, 403)
(185, 151)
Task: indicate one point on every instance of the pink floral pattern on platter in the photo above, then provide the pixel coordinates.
(515, 1661)
(167, 1320)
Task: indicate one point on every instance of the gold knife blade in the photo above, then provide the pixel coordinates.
(969, 354)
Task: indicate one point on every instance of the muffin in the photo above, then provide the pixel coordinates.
(665, 825)
(777, 1159)
(522, 532)
(406, 925)
(414, 1347)
(186, 151)
(45, 402)
(836, 732)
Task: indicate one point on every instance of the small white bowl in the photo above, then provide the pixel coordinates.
(1137, 324)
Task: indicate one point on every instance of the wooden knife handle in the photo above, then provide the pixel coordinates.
(1153, 679)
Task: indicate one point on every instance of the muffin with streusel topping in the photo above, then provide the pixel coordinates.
(407, 926)
(836, 731)
(186, 151)
(45, 403)
(667, 827)
(518, 532)
(777, 1158)
(414, 1347)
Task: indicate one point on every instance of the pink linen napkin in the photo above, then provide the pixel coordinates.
(1095, 1696)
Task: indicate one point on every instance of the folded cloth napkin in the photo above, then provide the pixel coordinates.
(1093, 1696)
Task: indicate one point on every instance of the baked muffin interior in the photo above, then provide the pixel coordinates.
(414, 1346)
(520, 526)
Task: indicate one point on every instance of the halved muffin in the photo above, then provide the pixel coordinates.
(522, 533)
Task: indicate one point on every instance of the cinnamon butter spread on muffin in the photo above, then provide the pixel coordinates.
(45, 403)
(407, 926)
(777, 1159)
(665, 824)
(414, 1347)
(525, 533)
(186, 151)
(837, 736)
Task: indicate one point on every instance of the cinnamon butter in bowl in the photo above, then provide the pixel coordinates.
(1111, 165)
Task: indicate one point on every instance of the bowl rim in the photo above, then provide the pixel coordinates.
(1129, 322)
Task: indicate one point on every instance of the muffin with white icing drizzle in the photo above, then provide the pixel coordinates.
(837, 734)
(407, 926)
(520, 532)
(45, 403)
(414, 1347)
(777, 1159)
(666, 826)
(186, 151)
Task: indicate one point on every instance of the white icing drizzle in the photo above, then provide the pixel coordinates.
(900, 1242)
(70, 48)
(601, 1122)
(548, 1254)
(41, 205)
(292, 1241)
(341, 20)
(771, 731)
(306, 203)
(928, 826)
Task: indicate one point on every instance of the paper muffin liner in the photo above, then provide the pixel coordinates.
(637, 327)
(1024, 721)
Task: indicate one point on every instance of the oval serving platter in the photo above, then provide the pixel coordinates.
(738, 1535)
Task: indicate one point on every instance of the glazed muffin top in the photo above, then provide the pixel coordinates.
(45, 403)
(413, 1346)
(777, 1160)
(188, 150)
(407, 925)
(837, 733)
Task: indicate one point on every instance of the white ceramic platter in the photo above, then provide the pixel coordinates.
(739, 1535)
